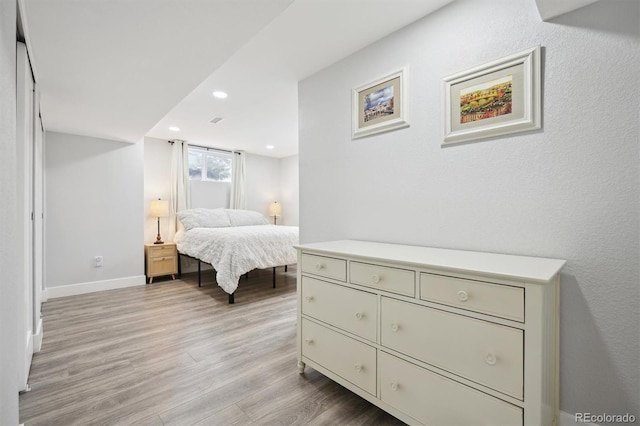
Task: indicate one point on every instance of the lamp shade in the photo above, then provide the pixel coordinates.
(159, 208)
(275, 209)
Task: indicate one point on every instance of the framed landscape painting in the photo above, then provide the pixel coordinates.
(380, 106)
(494, 99)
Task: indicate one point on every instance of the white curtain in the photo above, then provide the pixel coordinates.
(238, 197)
(180, 199)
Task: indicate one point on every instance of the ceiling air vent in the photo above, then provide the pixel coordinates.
(215, 120)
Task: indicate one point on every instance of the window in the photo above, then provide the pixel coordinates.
(209, 165)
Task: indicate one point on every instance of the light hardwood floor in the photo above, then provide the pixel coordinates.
(170, 353)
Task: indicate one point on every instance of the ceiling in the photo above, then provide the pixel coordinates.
(125, 69)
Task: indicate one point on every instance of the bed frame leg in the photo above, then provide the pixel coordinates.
(285, 267)
(199, 275)
(179, 265)
(231, 299)
(274, 277)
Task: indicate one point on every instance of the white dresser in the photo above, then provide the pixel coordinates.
(433, 336)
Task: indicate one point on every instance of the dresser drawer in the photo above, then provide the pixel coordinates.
(492, 299)
(484, 352)
(354, 311)
(435, 400)
(346, 357)
(395, 280)
(324, 266)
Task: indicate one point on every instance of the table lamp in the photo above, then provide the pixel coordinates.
(275, 210)
(159, 208)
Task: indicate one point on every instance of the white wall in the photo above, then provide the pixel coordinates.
(10, 289)
(94, 207)
(569, 191)
(289, 191)
(263, 182)
(210, 195)
(157, 181)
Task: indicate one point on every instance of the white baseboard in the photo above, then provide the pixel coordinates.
(37, 338)
(567, 419)
(90, 287)
(23, 374)
(44, 296)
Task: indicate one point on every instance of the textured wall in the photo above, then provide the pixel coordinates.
(569, 191)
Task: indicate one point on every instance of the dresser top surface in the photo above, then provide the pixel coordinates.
(530, 269)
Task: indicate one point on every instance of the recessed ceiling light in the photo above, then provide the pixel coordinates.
(220, 95)
(269, 146)
(174, 128)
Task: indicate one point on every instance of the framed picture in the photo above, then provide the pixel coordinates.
(494, 99)
(380, 106)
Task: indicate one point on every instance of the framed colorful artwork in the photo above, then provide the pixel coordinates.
(493, 99)
(381, 105)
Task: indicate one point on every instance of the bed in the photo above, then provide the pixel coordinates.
(235, 242)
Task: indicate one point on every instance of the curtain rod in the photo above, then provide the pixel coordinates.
(208, 148)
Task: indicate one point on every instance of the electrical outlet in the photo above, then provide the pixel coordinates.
(98, 261)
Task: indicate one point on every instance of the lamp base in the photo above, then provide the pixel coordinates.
(158, 240)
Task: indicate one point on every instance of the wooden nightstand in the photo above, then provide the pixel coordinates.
(160, 259)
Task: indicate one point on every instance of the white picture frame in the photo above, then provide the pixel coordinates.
(380, 105)
(470, 112)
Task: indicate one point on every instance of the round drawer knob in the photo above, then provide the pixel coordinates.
(308, 341)
(319, 266)
(358, 367)
(394, 386)
(394, 327)
(375, 279)
(308, 298)
(490, 358)
(463, 296)
(359, 315)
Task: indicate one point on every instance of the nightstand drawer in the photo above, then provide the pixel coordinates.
(161, 250)
(165, 265)
(487, 298)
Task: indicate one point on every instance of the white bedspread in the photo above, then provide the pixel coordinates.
(234, 251)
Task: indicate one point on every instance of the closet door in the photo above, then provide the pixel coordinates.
(24, 243)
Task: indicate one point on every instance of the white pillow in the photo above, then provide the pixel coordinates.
(246, 218)
(204, 218)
